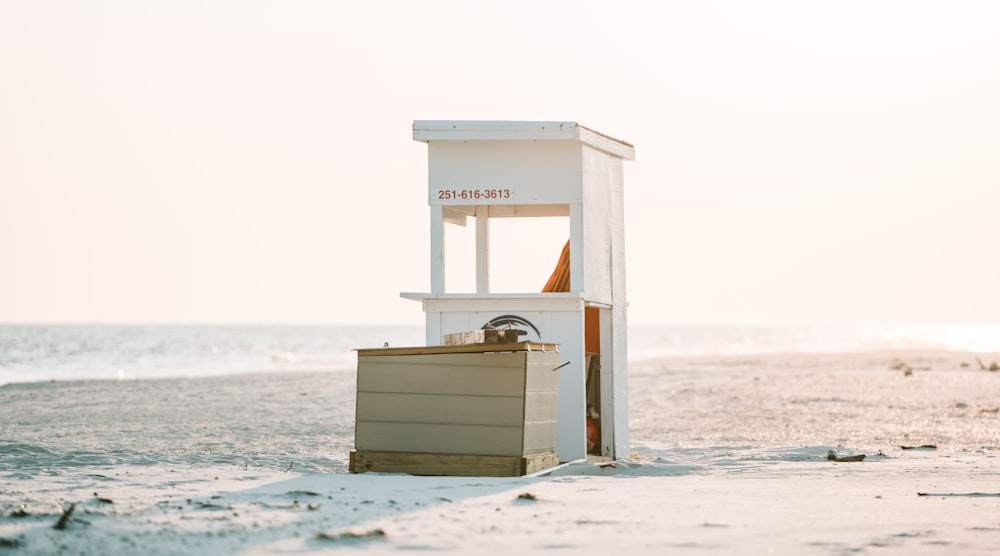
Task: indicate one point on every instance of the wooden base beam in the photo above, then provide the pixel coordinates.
(458, 465)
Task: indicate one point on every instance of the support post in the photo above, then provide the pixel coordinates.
(483, 249)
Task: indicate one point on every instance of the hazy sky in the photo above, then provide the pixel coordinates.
(252, 162)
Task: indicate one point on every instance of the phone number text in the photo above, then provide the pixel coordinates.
(472, 194)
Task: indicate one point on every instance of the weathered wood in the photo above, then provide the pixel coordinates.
(540, 374)
(475, 404)
(500, 374)
(541, 406)
(474, 348)
(539, 435)
(461, 465)
(490, 336)
(439, 438)
(441, 409)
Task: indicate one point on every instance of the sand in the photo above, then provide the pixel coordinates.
(730, 455)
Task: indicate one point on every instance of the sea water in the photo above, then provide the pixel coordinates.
(41, 353)
(86, 352)
(280, 397)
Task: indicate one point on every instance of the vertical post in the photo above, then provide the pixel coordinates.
(619, 317)
(576, 240)
(437, 249)
(483, 249)
(609, 378)
(432, 332)
(618, 391)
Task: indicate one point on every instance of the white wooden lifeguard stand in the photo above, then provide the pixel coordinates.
(496, 169)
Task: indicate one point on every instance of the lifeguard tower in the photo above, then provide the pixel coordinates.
(502, 169)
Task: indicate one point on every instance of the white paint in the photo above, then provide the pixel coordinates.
(524, 169)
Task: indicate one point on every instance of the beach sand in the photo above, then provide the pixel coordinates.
(730, 455)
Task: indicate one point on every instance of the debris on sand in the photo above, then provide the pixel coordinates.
(10, 543)
(65, 518)
(352, 536)
(832, 456)
(527, 496)
(923, 447)
(901, 366)
(993, 365)
(969, 494)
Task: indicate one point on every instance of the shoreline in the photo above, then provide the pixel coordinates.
(872, 359)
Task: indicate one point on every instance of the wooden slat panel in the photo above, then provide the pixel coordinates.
(436, 408)
(539, 435)
(473, 348)
(460, 465)
(541, 405)
(500, 374)
(540, 373)
(438, 438)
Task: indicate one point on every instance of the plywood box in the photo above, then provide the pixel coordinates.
(459, 401)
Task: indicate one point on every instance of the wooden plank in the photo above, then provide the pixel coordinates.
(462, 465)
(542, 372)
(539, 435)
(482, 336)
(438, 438)
(461, 305)
(475, 348)
(533, 463)
(437, 408)
(500, 374)
(541, 405)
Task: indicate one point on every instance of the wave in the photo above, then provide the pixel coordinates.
(44, 353)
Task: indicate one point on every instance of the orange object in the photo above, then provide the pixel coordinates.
(559, 282)
(591, 330)
(593, 435)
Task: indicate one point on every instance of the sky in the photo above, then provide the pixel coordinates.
(248, 162)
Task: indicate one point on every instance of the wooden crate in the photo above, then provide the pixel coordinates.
(457, 410)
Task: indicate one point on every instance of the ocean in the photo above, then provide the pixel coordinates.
(32, 353)
(277, 397)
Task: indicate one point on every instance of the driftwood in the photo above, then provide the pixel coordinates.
(352, 536)
(65, 518)
(970, 494)
(993, 365)
(832, 456)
